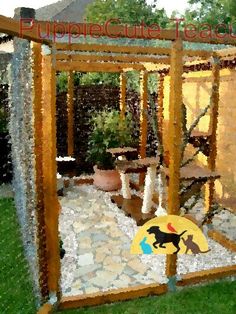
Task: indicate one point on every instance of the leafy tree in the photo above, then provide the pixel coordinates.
(131, 12)
(212, 12)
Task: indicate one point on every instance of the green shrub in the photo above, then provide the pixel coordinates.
(3, 121)
(109, 131)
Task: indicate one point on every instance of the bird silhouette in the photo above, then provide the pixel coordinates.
(170, 228)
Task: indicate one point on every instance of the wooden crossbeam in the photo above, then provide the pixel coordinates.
(122, 31)
(226, 52)
(113, 48)
(128, 49)
(97, 67)
(12, 27)
(121, 58)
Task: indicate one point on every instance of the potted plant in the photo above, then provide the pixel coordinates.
(109, 131)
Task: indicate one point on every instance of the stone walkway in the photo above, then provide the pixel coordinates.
(97, 251)
(97, 238)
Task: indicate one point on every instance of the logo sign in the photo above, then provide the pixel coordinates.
(169, 234)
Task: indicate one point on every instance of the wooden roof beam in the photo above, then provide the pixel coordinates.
(129, 49)
(32, 32)
(13, 27)
(121, 31)
(226, 52)
(97, 67)
(121, 58)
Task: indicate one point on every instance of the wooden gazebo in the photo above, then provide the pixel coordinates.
(48, 58)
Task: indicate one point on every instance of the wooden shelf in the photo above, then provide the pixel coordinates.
(200, 134)
(138, 165)
(194, 172)
(128, 152)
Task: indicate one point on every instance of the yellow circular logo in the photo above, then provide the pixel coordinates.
(169, 234)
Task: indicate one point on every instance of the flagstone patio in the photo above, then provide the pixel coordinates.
(97, 238)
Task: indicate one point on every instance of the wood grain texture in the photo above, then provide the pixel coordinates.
(46, 309)
(206, 275)
(222, 239)
(97, 67)
(112, 296)
(38, 138)
(112, 58)
(123, 82)
(175, 138)
(70, 114)
(143, 118)
(51, 204)
(211, 160)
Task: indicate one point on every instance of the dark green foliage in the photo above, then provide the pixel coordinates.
(212, 12)
(62, 79)
(132, 12)
(109, 131)
(3, 120)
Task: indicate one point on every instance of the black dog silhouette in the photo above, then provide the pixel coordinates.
(163, 237)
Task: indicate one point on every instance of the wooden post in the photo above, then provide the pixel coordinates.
(143, 118)
(38, 136)
(123, 81)
(51, 204)
(175, 135)
(160, 104)
(211, 161)
(70, 114)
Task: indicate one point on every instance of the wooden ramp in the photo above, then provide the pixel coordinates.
(132, 208)
(229, 203)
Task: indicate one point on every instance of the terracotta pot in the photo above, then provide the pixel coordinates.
(106, 180)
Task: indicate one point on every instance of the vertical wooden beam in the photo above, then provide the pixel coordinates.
(160, 107)
(70, 114)
(143, 118)
(123, 81)
(51, 204)
(211, 161)
(38, 136)
(175, 135)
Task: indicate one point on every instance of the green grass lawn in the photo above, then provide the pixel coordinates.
(215, 298)
(16, 296)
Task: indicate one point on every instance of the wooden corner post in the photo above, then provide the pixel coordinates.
(175, 135)
(38, 137)
(51, 204)
(211, 161)
(70, 114)
(143, 118)
(123, 81)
